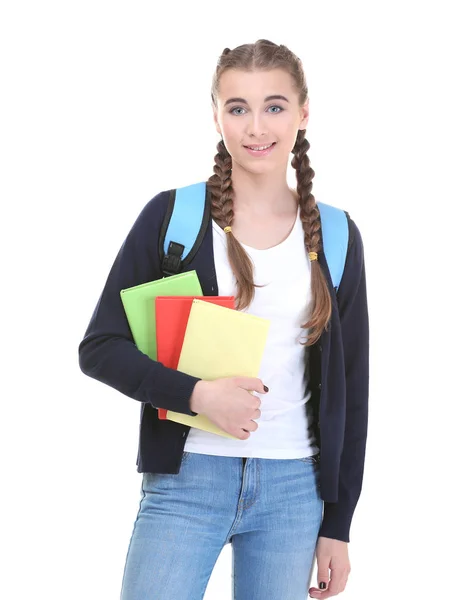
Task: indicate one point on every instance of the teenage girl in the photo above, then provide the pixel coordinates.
(284, 492)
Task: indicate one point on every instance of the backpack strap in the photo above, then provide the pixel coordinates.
(335, 237)
(184, 227)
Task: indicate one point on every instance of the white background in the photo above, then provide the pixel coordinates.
(105, 104)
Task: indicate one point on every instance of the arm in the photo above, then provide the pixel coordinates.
(353, 310)
(107, 352)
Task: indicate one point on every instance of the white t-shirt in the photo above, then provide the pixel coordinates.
(283, 430)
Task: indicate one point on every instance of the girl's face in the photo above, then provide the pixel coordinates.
(258, 109)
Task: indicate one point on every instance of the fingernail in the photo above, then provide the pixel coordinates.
(266, 388)
(322, 585)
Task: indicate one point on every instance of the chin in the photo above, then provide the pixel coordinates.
(265, 167)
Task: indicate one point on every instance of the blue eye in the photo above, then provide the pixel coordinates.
(242, 108)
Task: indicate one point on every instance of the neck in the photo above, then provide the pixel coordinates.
(262, 194)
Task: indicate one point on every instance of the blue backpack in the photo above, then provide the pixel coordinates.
(188, 216)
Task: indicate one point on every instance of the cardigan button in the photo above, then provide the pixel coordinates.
(320, 385)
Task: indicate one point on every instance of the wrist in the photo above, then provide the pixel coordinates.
(198, 396)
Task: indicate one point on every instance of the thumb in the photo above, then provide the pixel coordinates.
(251, 384)
(323, 572)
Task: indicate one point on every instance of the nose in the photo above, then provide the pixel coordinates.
(256, 126)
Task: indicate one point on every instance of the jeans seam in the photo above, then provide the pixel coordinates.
(132, 535)
(257, 485)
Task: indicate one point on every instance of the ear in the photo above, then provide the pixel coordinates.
(215, 119)
(304, 114)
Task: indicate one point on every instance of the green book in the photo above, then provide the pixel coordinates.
(139, 305)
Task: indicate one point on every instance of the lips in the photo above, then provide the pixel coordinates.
(257, 153)
(260, 146)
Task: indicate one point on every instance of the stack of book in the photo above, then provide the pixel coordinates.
(204, 336)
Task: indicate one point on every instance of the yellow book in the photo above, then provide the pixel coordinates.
(220, 342)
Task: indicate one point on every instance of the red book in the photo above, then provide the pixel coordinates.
(172, 314)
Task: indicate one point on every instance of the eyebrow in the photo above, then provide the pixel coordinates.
(267, 99)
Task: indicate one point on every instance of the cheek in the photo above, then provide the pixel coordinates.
(233, 136)
(289, 128)
(231, 130)
(288, 134)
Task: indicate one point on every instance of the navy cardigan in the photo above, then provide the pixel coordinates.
(338, 366)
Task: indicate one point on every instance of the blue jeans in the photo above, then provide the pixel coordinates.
(270, 510)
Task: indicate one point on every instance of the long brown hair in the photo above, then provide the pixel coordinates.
(265, 55)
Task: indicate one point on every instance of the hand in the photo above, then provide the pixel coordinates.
(333, 555)
(228, 403)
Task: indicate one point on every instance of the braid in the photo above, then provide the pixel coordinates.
(220, 185)
(309, 213)
(311, 223)
(222, 209)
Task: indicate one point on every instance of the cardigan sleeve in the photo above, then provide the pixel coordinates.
(107, 351)
(353, 311)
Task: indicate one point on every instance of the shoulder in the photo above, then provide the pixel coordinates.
(147, 224)
(145, 230)
(353, 279)
(333, 216)
(154, 210)
(355, 243)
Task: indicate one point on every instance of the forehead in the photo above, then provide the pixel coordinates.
(255, 86)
